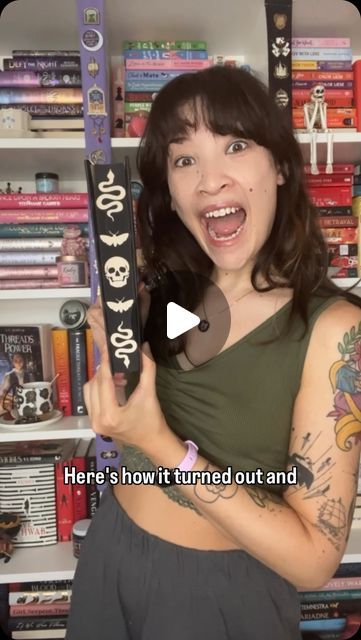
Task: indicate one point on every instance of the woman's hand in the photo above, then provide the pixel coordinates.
(138, 419)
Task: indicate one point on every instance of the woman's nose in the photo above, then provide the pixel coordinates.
(213, 180)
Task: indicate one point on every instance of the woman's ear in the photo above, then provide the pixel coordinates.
(282, 175)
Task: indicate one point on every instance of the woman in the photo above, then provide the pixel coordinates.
(224, 198)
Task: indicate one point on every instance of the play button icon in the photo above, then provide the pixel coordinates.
(179, 320)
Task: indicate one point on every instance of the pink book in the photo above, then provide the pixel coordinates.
(43, 200)
(31, 271)
(42, 216)
(184, 65)
(29, 284)
(305, 43)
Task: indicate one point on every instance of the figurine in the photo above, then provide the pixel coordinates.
(315, 113)
(72, 243)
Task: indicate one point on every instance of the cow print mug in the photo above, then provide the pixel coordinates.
(32, 401)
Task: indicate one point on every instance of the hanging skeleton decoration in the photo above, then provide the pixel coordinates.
(315, 116)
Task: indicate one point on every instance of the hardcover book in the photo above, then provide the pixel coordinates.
(25, 356)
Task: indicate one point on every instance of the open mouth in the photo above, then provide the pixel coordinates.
(225, 224)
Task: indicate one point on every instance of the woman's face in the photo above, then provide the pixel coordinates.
(224, 189)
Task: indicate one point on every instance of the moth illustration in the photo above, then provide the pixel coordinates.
(114, 239)
(120, 305)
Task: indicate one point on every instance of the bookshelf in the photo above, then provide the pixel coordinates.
(241, 29)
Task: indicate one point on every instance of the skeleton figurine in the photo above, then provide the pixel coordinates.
(315, 113)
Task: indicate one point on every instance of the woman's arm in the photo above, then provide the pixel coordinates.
(302, 536)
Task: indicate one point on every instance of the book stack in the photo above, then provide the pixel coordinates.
(331, 194)
(334, 612)
(73, 364)
(148, 67)
(38, 609)
(47, 85)
(31, 229)
(357, 91)
(326, 62)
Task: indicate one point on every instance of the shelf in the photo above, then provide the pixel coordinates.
(57, 562)
(346, 146)
(48, 294)
(71, 427)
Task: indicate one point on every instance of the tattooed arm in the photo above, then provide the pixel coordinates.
(301, 536)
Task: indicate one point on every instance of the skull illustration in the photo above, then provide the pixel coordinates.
(318, 93)
(117, 271)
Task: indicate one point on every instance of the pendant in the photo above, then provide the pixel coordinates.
(203, 326)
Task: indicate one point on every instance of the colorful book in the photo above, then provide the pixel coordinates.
(334, 210)
(41, 64)
(37, 623)
(337, 118)
(343, 54)
(80, 506)
(328, 84)
(43, 585)
(153, 75)
(312, 43)
(60, 343)
(43, 95)
(340, 235)
(326, 222)
(36, 271)
(165, 44)
(43, 216)
(331, 196)
(50, 230)
(344, 167)
(32, 244)
(321, 76)
(43, 200)
(176, 63)
(64, 503)
(39, 597)
(91, 487)
(20, 610)
(78, 368)
(321, 65)
(37, 110)
(356, 67)
(40, 79)
(51, 283)
(34, 452)
(324, 179)
(90, 360)
(25, 356)
(42, 53)
(10, 258)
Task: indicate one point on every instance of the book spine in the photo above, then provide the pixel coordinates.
(143, 86)
(321, 76)
(29, 284)
(64, 503)
(91, 488)
(153, 75)
(33, 623)
(61, 357)
(132, 107)
(44, 585)
(39, 79)
(357, 91)
(321, 65)
(41, 64)
(342, 583)
(117, 95)
(326, 222)
(345, 272)
(332, 608)
(303, 94)
(337, 168)
(78, 370)
(328, 84)
(29, 459)
(39, 610)
(50, 110)
(12, 258)
(42, 95)
(140, 96)
(342, 594)
(42, 216)
(43, 200)
(323, 180)
(42, 53)
(33, 244)
(340, 235)
(348, 250)
(80, 506)
(29, 490)
(89, 343)
(22, 273)
(39, 597)
(321, 43)
(170, 65)
(37, 230)
(334, 211)
(343, 54)
(165, 44)
(330, 196)
(336, 102)
(343, 117)
(164, 54)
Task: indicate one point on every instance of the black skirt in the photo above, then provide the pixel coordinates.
(132, 585)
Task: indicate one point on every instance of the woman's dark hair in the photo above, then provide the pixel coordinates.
(228, 101)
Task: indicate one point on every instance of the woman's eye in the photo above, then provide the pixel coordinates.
(237, 145)
(185, 161)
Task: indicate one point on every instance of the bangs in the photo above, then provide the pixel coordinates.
(219, 101)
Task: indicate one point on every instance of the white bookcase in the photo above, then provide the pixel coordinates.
(234, 27)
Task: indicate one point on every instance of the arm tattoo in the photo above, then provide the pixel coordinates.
(213, 492)
(265, 499)
(332, 521)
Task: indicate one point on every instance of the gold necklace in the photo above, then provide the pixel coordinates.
(205, 324)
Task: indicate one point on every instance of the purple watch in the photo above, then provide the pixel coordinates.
(190, 457)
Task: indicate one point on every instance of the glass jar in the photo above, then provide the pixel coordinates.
(47, 182)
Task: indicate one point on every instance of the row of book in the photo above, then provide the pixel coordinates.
(33, 485)
(327, 63)
(35, 610)
(332, 195)
(28, 257)
(47, 85)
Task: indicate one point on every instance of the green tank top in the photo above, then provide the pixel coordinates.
(238, 406)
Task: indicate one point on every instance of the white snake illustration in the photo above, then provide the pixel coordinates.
(104, 201)
(122, 340)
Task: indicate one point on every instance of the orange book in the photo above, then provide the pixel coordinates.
(62, 369)
(89, 345)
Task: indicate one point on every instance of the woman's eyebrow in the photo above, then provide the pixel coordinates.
(179, 140)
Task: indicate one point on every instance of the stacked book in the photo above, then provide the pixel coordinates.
(148, 67)
(331, 194)
(37, 609)
(326, 62)
(31, 229)
(46, 84)
(334, 611)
